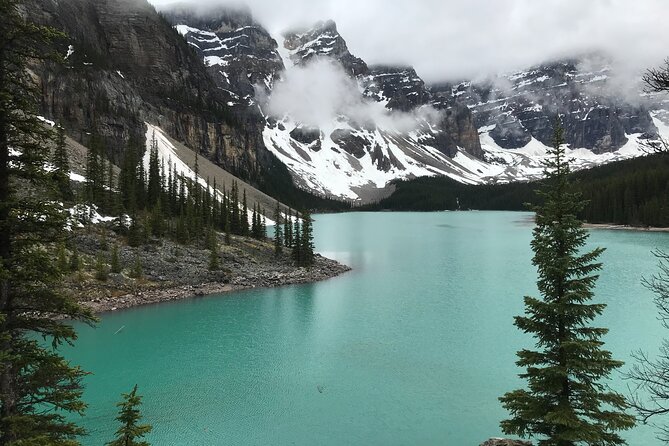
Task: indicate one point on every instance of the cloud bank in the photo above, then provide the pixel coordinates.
(454, 39)
(321, 92)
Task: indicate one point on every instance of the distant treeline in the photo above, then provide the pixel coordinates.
(631, 192)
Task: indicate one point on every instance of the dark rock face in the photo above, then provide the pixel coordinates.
(305, 135)
(505, 442)
(129, 66)
(309, 136)
(400, 86)
(525, 104)
(458, 130)
(403, 90)
(238, 52)
(353, 144)
(323, 40)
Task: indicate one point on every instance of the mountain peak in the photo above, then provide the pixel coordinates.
(322, 40)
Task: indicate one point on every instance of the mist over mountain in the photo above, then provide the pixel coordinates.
(299, 105)
(348, 128)
(465, 39)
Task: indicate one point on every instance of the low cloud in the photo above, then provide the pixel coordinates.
(463, 39)
(321, 92)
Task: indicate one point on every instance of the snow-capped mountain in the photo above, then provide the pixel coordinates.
(303, 107)
(395, 126)
(239, 53)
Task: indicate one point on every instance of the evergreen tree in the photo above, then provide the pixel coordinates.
(214, 257)
(63, 264)
(278, 230)
(137, 271)
(254, 223)
(135, 233)
(153, 189)
(101, 270)
(158, 225)
(295, 242)
(227, 230)
(130, 432)
(263, 226)
(244, 217)
(235, 220)
(38, 388)
(288, 229)
(115, 262)
(306, 245)
(128, 179)
(75, 263)
(565, 403)
(61, 166)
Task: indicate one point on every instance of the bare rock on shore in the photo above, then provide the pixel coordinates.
(505, 442)
(171, 271)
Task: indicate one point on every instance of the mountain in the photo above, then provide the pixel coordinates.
(496, 130)
(218, 82)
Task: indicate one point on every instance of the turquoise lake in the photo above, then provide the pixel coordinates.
(412, 347)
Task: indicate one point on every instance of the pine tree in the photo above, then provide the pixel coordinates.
(263, 226)
(306, 246)
(63, 264)
(38, 388)
(244, 217)
(288, 229)
(130, 432)
(235, 220)
(61, 166)
(101, 270)
(254, 223)
(214, 257)
(565, 403)
(75, 263)
(295, 242)
(115, 262)
(158, 226)
(153, 188)
(135, 233)
(137, 271)
(227, 230)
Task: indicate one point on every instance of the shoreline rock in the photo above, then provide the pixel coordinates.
(323, 269)
(170, 271)
(505, 442)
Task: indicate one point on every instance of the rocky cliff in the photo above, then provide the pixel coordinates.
(208, 78)
(124, 65)
(523, 105)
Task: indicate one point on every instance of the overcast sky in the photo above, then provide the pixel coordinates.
(451, 39)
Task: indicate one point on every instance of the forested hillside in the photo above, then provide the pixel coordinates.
(633, 192)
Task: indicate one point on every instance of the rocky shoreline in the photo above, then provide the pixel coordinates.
(323, 269)
(171, 271)
(624, 227)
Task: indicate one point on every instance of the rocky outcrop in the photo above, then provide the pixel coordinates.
(172, 271)
(400, 87)
(322, 40)
(505, 442)
(350, 142)
(524, 105)
(458, 131)
(126, 65)
(239, 53)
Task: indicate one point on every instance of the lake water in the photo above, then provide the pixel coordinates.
(413, 347)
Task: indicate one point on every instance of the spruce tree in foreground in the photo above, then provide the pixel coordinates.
(131, 432)
(565, 402)
(38, 388)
